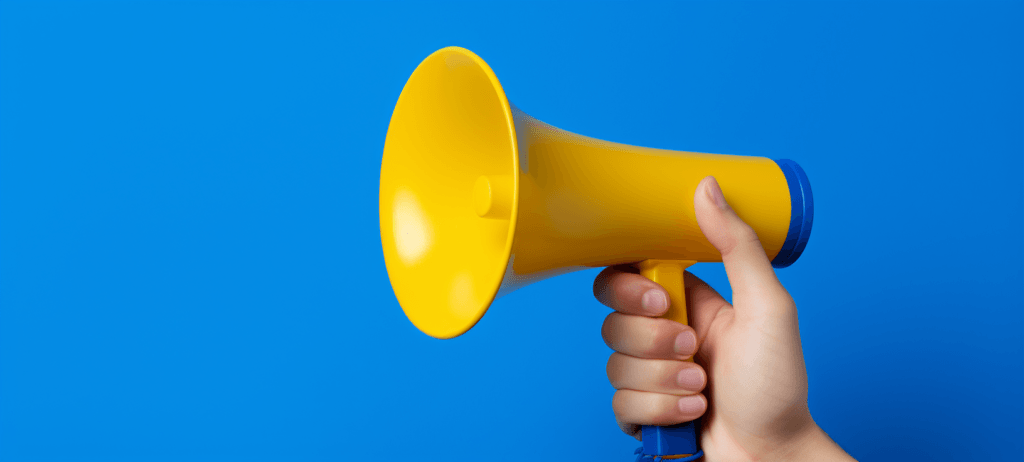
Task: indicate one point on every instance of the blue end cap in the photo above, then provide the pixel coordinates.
(670, 440)
(802, 214)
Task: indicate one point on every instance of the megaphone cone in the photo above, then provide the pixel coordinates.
(478, 198)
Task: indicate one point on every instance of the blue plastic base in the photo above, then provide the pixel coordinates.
(641, 457)
(670, 440)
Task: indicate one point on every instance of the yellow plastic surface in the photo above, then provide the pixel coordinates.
(452, 125)
(477, 197)
(669, 273)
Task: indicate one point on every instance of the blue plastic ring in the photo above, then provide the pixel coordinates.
(801, 216)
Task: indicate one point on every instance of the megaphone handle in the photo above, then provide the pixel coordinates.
(680, 440)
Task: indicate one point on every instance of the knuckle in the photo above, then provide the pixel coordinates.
(747, 235)
(663, 370)
(743, 237)
(619, 404)
(662, 338)
(607, 327)
(613, 369)
(602, 285)
(666, 413)
(653, 336)
(785, 298)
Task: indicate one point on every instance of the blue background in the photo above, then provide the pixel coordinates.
(190, 264)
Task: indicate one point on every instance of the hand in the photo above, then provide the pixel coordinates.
(749, 362)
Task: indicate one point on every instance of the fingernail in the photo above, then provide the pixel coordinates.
(690, 405)
(690, 379)
(715, 193)
(686, 343)
(654, 301)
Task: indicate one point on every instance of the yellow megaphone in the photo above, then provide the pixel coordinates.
(478, 199)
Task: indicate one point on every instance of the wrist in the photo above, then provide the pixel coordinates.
(813, 444)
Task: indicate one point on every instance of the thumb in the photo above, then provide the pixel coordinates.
(746, 263)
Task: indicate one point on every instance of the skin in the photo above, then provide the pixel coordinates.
(749, 362)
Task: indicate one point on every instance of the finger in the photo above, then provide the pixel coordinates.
(633, 430)
(644, 408)
(704, 303)
(679, 378)
(746, 263)
(651, 338)
(630, 293)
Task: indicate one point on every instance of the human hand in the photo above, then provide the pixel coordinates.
(749, 356)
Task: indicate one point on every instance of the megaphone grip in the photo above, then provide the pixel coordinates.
(682, 439)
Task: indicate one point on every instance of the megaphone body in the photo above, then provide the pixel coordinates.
(478, 199)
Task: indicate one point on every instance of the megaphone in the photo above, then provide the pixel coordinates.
(478, 199)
